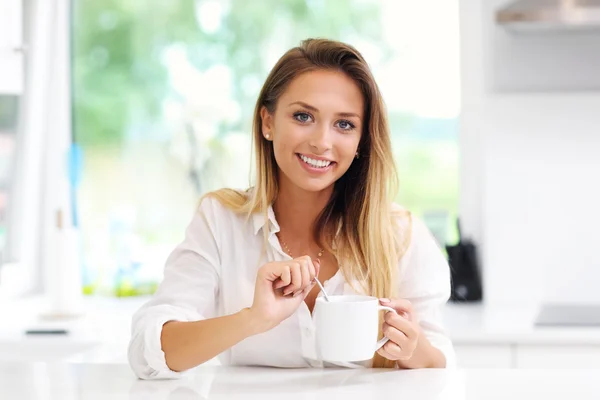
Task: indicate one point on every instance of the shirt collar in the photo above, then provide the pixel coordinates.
(260, 221)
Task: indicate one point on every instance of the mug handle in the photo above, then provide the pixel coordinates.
(384, 340)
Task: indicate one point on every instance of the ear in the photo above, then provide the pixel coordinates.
(267, 123)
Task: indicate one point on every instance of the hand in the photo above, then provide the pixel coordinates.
(403, 331)
(280, 289)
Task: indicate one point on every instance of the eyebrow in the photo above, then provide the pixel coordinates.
(315, 109)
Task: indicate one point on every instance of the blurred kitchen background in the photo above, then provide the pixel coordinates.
(117, 115)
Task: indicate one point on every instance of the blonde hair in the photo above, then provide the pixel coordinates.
(359, 215)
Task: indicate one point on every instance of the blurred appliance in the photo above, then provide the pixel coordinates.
(464, 268)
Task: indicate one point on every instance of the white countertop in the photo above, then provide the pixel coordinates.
(33, 381)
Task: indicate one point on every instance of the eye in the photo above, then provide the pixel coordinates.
(345, 125)
(302, 117)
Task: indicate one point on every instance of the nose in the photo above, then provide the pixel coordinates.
(320, 139)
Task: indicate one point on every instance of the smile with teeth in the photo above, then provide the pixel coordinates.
(315, 163)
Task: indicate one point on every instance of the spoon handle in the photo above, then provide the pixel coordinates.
(322, 288)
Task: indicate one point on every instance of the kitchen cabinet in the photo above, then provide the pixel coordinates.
(507, 337)
(484, 356)
(11, 47)
(528, 356)
(558, 356)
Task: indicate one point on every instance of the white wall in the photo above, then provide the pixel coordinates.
(530, 175)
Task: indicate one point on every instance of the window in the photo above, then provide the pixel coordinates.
(11, 99)
(163, 99)
(9, 105)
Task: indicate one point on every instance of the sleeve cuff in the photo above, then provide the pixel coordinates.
(156, 365)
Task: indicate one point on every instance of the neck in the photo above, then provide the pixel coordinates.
(297, 210)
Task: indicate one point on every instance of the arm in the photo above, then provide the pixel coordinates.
(188, 292)
(408, 344)
(179, 329)
(424, 289)
(424, 356)
(188, 344)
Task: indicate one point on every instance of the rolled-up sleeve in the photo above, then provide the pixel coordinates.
(188, 292)
(425, 281)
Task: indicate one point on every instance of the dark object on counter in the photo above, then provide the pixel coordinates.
(464, 269)
(46, 332)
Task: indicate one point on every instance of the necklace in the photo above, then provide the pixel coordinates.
(287, 249)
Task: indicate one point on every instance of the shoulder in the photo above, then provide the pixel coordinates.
(423, 265)
(223, 202)
(215, 213)
(411, 228)
(215, 219)
(420, 252)
(401, 217)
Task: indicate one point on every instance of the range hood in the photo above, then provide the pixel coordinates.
(543, 15)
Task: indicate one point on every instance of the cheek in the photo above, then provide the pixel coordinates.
(348, 146)
(279, 148)
(288, 138)
(285, 143)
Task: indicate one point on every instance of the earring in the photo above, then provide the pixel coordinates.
(356, 155)
(267, 135)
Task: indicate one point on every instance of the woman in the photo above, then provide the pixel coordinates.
(241, 285)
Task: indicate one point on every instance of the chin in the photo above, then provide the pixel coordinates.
(314, 186)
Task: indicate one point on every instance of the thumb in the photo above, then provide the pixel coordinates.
(317, 264)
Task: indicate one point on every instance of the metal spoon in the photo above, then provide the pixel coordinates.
(322, 289)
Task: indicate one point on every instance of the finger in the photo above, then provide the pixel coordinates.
(285, 274)
(279, 284)
(296, 279)
(382, 352)
(307, 290)
(311, 269)
(402, 324)
(276, 275)
(400, 305)
(393, 349)
(305, 270)
(317, 265)
(395, 335)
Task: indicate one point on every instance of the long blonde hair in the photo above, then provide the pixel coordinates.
(359, 215)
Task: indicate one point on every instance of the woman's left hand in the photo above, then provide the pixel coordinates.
(403, 330)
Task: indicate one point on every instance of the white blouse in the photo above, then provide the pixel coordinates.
(213, 271)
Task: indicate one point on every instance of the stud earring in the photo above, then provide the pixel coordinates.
(356, 155)
(267, 135)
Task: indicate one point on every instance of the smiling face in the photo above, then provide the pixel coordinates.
(315, 129)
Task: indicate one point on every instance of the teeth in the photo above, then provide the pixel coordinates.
(315, 163)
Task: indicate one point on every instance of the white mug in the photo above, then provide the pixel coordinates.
(347, 327)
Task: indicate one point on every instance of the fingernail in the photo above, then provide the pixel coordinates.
(384, 300)
(296, 293)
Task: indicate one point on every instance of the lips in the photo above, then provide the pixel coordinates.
(314, 162)
(315, 166)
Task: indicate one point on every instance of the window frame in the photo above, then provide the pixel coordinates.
(44, 132)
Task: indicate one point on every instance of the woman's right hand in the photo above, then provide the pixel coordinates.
(280, 289)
